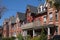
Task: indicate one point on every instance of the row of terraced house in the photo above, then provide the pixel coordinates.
(32, 21)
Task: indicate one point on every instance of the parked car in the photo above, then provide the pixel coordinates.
(56, 37)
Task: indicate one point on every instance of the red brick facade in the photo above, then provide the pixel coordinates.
(16, 27)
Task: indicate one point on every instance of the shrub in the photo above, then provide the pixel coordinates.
(36, 38)
(43, 35)
(4, 38)
(20, 37)
(28, 37)
(12, 38)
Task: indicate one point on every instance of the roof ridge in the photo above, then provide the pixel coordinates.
(31, 6)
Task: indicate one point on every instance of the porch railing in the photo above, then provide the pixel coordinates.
(30, 25)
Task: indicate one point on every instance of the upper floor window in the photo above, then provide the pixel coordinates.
(56, 15)
(45, 19)
(50, 16)
(39, 10)
(12, 26)
(29, 14)
(21, 22)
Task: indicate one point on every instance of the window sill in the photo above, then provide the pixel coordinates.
(56, 20)
(51, 21)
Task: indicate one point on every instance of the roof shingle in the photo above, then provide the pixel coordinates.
(33, 9)
(12, 19)
(21, 15)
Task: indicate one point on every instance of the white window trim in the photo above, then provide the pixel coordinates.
(41, 8)
(45, 18)
(57, 16)
(50, 16)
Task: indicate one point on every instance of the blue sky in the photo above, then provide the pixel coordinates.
(14, 6)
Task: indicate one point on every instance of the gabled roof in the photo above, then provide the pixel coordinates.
(12, 19)
(21, 15)
(6, 20)
(43, 7)
(33, 9)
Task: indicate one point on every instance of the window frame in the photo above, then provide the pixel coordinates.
(50, 16)
(56, 15)
(45, 18)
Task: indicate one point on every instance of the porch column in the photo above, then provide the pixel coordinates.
(48, 33)
(34, 34)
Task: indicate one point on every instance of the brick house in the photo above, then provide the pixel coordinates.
(11, 26)
(31, 22)
(5, 28)
(20, 20)
(41, 16)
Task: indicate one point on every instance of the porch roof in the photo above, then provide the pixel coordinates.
(33, 25)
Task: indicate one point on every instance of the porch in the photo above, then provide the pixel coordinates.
(34, 29)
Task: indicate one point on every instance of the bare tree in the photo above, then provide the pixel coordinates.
(2, 9)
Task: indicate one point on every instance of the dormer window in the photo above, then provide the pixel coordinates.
(41, 8)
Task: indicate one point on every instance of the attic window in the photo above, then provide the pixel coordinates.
(41, 8)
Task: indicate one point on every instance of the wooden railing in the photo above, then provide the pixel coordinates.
(30, 25)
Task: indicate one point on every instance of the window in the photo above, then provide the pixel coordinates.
(12, 25)
(29, 14)
(39, 10)
(44, 9)
(14, 34)
(45, 19)
(56, 15)
(50, 16)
